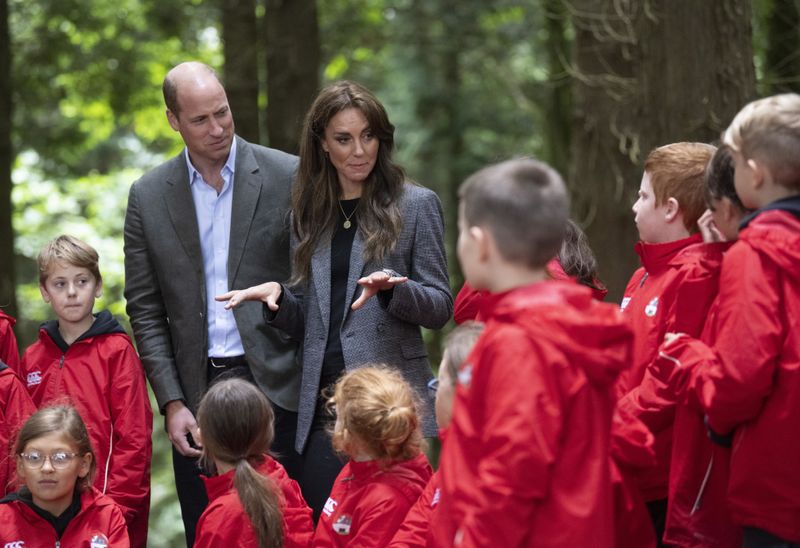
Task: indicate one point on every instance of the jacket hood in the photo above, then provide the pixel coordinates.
(593, 335)
(221, 484)
(414, 471)
(774, 231)
(10, 319)
(104, 324)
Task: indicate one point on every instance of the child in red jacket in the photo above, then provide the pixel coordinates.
(252, 500)
(416, 526)
(9, 352)
(526, 460)
(15, 407)
(750, 383)
(697, 514)
(89, 361)
(671, 199)
(57, 505)
(377, 427)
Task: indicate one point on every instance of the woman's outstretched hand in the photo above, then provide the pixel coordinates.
(377, 281)
(268, 293)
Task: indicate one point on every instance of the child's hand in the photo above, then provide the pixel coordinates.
(708, 229)
(268, 293)
(377, 281)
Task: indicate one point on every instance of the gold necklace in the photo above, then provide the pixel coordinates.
(347, 224)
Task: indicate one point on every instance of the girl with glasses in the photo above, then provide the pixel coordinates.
(56, 504)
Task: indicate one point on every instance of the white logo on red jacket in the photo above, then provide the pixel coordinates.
(34, 378)
(15, 544)
(99, 540)
(437, 494)
(624, 304)
(342, 525)
(651, 308)
(330, 507)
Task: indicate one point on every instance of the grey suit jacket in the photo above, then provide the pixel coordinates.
(165, 285)
(383, 330)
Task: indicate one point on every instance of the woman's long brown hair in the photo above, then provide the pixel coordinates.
(316, 190)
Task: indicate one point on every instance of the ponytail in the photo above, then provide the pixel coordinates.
(259, 497)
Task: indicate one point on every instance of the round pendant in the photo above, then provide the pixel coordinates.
(346, 224)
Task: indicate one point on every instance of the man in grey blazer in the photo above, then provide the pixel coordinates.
(211, 219)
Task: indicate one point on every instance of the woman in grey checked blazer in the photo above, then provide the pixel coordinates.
(357, 224)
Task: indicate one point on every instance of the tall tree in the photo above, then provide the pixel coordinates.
(7, 287)
(647, 73)
(293, 66)
(240, 39)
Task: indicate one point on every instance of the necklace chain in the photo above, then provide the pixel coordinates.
(347, 224)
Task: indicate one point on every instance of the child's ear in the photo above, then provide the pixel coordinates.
(45, 294)
(760, 172)
(482, 240)
(98, 291)
(671, 209)
(20, 469)
(85, 465)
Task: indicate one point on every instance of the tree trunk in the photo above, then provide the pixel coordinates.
(8, 299)
(293, 58)
(240, 41)
(647, 73)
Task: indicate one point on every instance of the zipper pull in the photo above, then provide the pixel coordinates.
(61, 361)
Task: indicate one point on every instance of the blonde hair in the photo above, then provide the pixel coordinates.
(768, 130)
(678, 171)
(376, 408)
(62, 419)
(70, 250)
(458, 345)
(237, 425)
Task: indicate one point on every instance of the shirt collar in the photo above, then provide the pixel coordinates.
(230, 164)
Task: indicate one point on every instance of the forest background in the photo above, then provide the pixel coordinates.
(589, 86)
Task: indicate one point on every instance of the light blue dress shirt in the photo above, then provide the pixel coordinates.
(214, 221)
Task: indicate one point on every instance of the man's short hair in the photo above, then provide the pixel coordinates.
(170, 88)
(68, 250)
(524, 204)
(768, 131)
(678, 171)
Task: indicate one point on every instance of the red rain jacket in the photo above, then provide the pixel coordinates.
(99, 519)
(526, 461)
(416, 526)
(102, 376)
(368, 502)
(225, 523)
(631, 453)
(15, 408)
(752, 381)
(9, 352)
(697, 515)
(651, 304)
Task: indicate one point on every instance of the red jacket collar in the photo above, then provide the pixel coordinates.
(656, 257)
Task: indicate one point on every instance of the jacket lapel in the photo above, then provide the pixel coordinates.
(321, 273)
(180, 205)
(355, 272)
(246, 193)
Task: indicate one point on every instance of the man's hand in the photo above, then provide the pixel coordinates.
(377, 281)
(181, 422)
(268, 293)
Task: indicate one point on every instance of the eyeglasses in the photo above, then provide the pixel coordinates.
(433, 386)
(35, 460)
